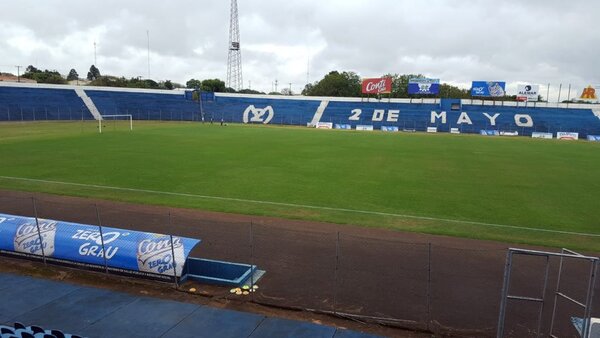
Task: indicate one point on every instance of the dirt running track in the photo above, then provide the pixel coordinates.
(441, 284)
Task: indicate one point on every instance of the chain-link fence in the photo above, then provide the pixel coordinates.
(436, 284)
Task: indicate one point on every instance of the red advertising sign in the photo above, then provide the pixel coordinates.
(377, 86)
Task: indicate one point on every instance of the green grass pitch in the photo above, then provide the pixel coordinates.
(451, 182)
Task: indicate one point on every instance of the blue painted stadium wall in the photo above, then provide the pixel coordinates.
(285, 111)
(144, 105)
(31, 104)
(417, 116)
(39, 103)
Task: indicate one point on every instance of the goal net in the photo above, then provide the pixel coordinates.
(115, 122)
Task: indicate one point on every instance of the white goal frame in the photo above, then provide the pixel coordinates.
(117, 115)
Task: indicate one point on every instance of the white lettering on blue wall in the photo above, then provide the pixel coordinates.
(464, 118)
(492, 118)
(523, 120)
(392, 115)
(378, 115)
(435, 116)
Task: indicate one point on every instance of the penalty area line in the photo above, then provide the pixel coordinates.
(294, 205)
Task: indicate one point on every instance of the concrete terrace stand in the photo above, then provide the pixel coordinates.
(94, 312)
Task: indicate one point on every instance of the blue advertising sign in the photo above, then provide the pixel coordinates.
(488, 132)
(343, 126)
(389, 128)
(117, 248)
(593, 138)
(488, 88)
(423, 86)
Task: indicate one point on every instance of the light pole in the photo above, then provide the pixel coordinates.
(18, 73)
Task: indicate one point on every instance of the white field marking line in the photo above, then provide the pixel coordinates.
(298, 206)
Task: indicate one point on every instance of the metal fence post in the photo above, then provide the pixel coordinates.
(337, 263)
(101, 239)
(429, 286)
(505, 287)
(589, 300)
(173, 255)
(37, 224)
(174, 261)
(252, 259)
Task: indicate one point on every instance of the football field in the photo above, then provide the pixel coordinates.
(520, 190)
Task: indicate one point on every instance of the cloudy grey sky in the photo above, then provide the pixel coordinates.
(536, 41)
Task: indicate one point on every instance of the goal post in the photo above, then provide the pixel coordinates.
(115, 117)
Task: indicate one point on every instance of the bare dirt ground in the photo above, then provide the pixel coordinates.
(422, 283)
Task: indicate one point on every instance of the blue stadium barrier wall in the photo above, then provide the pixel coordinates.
(146, 105)
(41, 103)
(47, 102)
(417, 116)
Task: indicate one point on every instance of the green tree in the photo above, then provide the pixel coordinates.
(213, 85)
(250, 91)
(453, 92)
(168, 84)
(307, 89)
(400, 88)
(46, 76)
(72, 75)
(94, 73)
(347, 84)
(110, 81)
(31, 69)
(400, 84)
(193, 84)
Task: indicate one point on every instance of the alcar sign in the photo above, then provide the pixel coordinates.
(377, 86)
(528, 92)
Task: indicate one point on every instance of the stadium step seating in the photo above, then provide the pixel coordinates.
(23, 103)
(28, 104)
(145, 106)
(21, 331)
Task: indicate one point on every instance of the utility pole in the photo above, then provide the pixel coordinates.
(276, 82)
(18, 73)
(148, 37)
(95, 61)
(307, 70)
(559, 90)
(290, 88)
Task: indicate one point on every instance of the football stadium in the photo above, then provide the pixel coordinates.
(196, 213)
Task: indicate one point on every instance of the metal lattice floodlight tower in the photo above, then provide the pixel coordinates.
(234, 58)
